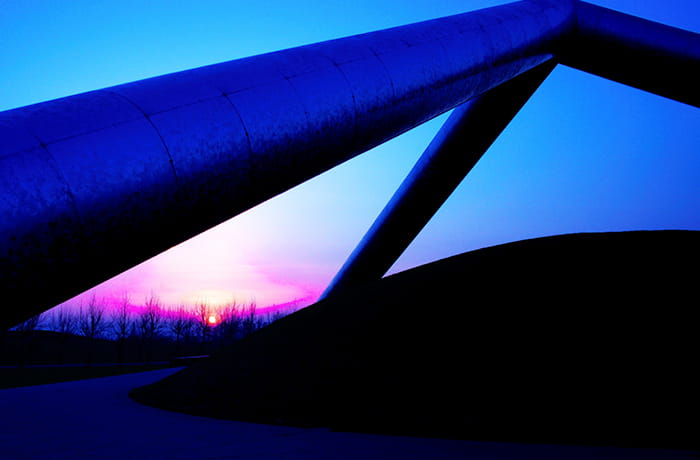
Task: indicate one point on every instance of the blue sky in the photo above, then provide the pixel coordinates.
(585, 154)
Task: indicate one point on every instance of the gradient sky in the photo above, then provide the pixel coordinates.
(585, 154)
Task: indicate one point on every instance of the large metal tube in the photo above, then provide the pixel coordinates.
(461, 142)
(647, 55)
(93, 184)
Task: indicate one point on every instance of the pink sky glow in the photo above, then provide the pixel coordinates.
(283, 252)
(231, 262)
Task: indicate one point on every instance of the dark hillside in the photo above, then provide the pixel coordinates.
(583, 338)
(49, 347)
(42, 347)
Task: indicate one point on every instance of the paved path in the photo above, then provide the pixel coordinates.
(94, 419)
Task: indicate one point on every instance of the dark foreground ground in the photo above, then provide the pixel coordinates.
(13, 377)
(575, 339)
(94, 419)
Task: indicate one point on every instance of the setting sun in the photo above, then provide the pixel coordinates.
(212, 320)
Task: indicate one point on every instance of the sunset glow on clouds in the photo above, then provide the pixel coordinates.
(285, 250)
(217, 267)
(585, 154)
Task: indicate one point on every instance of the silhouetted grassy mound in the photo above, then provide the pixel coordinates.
(584, 338)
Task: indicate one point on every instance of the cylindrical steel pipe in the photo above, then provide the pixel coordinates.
(95, 183)
(461, 142)
(647, 55)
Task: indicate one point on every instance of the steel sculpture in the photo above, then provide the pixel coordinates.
(96, 183)
(463, 139)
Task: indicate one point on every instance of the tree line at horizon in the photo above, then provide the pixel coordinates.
(184, 329)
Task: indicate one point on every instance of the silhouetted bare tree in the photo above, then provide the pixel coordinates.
(91, 324)
(272, 317)
(229, 323)
(249, 318)
(91, 319)
(63, 321)
(190, 332)
(180, 325)
(203, 313)
(30, 325)
(122, 324)
(150, 325)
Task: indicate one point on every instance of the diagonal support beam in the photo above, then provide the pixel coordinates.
(93, 184)
(463, 139)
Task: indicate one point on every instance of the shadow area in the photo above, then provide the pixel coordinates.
(571, 339)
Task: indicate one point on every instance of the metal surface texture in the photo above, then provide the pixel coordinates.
(647, 55)
(93, 184)
(463, 139)
(96, 183)
(603, 42)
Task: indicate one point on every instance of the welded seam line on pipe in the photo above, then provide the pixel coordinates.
(162, 140)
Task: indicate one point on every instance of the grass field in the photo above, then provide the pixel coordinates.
(27, 376)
